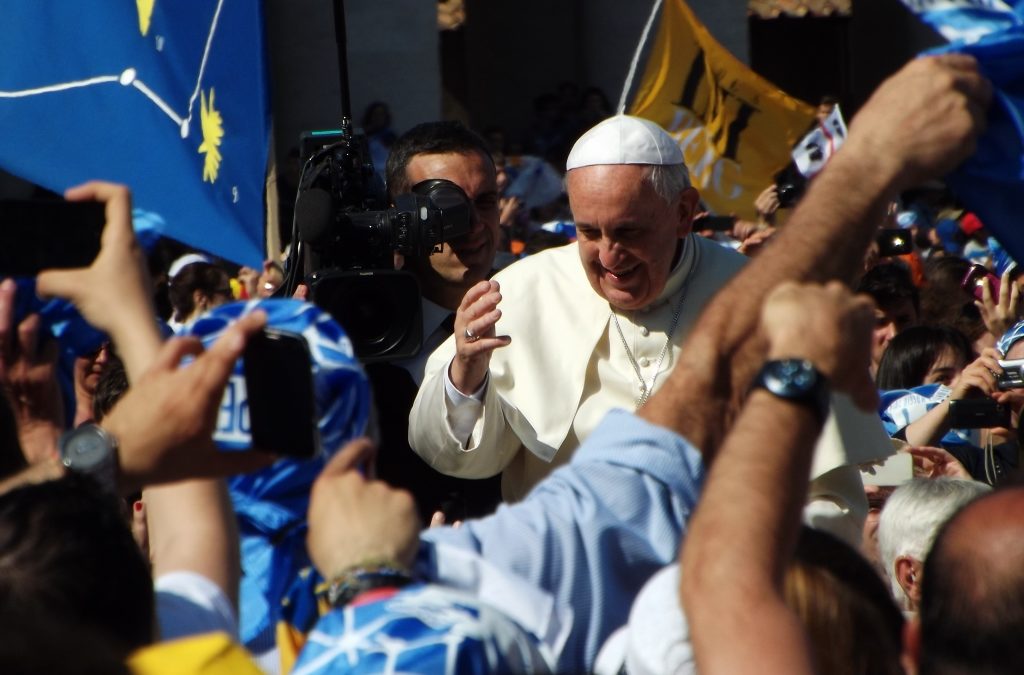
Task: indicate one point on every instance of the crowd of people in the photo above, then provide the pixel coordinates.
(784, 445)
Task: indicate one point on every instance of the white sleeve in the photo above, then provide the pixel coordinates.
(463, 411)
(190, 604)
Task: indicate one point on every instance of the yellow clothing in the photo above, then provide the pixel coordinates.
(209, 654)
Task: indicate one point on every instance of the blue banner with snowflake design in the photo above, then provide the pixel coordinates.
(169, 98)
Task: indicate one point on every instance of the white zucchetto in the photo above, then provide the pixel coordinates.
(624, 139)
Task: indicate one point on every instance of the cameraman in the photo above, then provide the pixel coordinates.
(450, 151)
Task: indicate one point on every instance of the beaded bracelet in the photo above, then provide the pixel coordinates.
(352, 582)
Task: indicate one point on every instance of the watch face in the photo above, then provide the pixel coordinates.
(792, 375)
(86, 449)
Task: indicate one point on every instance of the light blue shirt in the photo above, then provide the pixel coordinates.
(588, 536)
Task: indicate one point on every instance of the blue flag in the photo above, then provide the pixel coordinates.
(991, 182)
(967, 20)
(169, 98)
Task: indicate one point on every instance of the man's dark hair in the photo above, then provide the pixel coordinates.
(943, 301)
(972, 611)
(429, 138)
(66, 551)
(888, 284)
(38, 644)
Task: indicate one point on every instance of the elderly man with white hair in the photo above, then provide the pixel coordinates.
(910, 520)
(598, 325)
(592, 326)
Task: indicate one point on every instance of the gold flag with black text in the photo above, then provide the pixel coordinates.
(735, 128)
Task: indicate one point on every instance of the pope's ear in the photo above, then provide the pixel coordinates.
(689, 201)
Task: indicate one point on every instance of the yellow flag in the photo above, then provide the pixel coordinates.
(736, 129)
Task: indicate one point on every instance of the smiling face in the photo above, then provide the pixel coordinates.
(627, 234)
(468, 259)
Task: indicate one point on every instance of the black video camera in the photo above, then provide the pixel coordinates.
(349, 237)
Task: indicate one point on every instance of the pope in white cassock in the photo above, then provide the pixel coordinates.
(595, 325)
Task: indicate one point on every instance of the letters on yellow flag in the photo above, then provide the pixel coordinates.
(735, 128)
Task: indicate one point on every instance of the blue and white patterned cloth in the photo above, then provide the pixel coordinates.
(1010, 338)
(589, 536)
(420, 629)
(271, 504)
(899, 407)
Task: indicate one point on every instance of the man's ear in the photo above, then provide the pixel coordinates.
(687, 204)
(908, 575)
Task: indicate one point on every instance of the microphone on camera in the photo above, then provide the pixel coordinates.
(314, 216)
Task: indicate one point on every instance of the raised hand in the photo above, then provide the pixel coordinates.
(830, 327)
(999, 314)
(28, 380)
(164, 424)
(923, 121)
(475, 336)
(355, 521)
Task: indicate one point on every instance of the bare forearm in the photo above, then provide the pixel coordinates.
(931, 426)
(756, 490)
(136, 337)
(742, 537)
(192, 528)
(744, 531)
(825, 239)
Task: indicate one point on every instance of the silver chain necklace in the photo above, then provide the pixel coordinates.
(646, 389)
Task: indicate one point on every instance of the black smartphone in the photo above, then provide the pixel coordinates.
(715, 223)
(279, 391)
(48, 234)
(977, 413)
(894, 241)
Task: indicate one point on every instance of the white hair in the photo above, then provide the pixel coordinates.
(912, 517)
(668, 180)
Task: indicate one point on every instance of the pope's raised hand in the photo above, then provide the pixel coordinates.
(475, 336)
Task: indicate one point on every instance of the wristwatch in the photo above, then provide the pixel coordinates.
(90, 450)
(796, 380)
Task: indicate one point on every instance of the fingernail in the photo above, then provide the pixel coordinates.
(137, 506)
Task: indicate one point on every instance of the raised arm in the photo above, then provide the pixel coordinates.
(192, 528)
(741, 539)
(918, 125)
